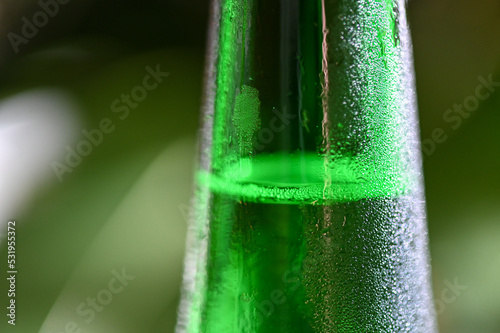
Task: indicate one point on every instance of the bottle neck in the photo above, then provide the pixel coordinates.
(331, 78)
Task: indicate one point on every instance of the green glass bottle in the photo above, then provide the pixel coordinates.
(309, 213)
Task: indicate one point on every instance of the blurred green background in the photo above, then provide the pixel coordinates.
(121, 210)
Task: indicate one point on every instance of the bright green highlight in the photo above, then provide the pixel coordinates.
(301, 178)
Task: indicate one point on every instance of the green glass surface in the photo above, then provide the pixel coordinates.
(309, 213)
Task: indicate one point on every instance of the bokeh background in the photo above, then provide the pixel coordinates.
(121, 210)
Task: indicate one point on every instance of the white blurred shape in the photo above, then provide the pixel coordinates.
(35, 126)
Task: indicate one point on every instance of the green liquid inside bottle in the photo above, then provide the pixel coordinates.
(283, 259)
(309, 213)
